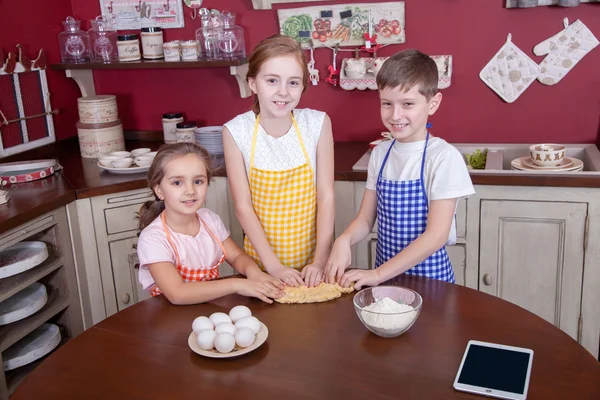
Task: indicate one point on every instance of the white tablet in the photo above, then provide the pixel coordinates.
(495, 370)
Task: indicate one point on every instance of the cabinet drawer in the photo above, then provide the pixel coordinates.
(122, 219)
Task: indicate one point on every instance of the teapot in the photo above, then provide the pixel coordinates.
(355, 68)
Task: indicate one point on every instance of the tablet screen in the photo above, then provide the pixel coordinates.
(494, 368)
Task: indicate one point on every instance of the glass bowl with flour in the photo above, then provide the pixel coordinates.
(387, 311)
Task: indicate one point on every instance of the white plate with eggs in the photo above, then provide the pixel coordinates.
(227, 335)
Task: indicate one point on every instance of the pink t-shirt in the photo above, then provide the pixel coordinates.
(200, 251)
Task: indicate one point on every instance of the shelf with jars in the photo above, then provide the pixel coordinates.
(220, 43)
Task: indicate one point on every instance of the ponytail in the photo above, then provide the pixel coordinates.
(149, 211)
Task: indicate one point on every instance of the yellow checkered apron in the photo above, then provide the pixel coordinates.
(285, 203)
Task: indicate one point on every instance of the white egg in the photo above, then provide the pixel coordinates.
(239, 312)
(219, 317)
(249, 322)
(225, 327)
(224, 342)
(206, 339)
(244, 337)
(201, 323)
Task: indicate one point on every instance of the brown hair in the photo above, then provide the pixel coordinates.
(151, 209)
(408, 68)
(275, 46)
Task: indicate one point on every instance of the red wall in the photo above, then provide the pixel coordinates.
(471, 30)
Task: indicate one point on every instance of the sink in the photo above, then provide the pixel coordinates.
(500, 156)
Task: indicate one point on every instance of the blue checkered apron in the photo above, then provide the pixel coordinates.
(402, 212)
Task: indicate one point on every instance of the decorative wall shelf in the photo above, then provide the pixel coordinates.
(513, 3)
(82, 73)
(267, 4)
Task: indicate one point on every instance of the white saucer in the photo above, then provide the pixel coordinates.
(22, 256)
(521, 164)
(565, 163)
(129, 170)
(261, 337)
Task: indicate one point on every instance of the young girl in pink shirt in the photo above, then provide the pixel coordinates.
(182, 244)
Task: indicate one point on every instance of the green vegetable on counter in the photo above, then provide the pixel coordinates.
(477, 159)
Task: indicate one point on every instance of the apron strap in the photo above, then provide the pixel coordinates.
(255, 136)
(422, 169)
(212, 235)
(387, 155)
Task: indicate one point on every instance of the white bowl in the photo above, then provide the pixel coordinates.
(106, 161)
(122, 163)
(151, 154)
(547, 155)
(122, 154)
(143, 161)
(139, 152)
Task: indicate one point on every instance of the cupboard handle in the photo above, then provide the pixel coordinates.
(487, 279)
(126, 298)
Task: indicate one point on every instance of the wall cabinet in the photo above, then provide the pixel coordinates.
(526, 245)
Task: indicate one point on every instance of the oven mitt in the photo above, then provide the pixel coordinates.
(564, 50)
(510, 72)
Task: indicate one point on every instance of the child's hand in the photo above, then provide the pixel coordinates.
(313, 274)
(289, 276)
(360, 277)
(261, 289)
(339, 259)
(260, 276)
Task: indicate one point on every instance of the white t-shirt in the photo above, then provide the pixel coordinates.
(282, 153)
(445, 173)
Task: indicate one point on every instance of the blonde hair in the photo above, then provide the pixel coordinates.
(150, 210)
(408, 68)
(275, 46)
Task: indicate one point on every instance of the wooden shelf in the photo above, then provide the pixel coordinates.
(15, 377)
(12, 333)
(150, 64)
(14, 284)
(82, 73)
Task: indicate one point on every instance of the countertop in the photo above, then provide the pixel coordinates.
(82, 178)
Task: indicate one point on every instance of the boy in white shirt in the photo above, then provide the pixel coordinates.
(413, 183)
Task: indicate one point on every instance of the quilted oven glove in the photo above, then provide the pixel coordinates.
(564, 50)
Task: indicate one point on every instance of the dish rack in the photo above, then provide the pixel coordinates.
(57, 273)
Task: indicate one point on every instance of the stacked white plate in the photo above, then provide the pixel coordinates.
(32, 347)
(23, 304)
(568, 164)
(22, 256)
(210, 137)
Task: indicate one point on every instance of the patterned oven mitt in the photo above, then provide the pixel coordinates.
(564, 50)
(509, 72)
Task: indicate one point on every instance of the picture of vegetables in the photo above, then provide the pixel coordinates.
(297, 23)
(322, 30)
(387, 28)
(341, 32)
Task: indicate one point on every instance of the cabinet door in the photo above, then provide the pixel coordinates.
(458, 255)
(217, 200)
(531, 253)
(123, 259)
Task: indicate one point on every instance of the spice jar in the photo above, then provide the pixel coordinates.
(185, 132)
(172, 51)
(170, 121)
(152, 43)
(129, 48)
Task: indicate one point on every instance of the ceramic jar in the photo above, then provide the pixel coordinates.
(97, 109)
(172, 51)
(152, 43)
(185, 132)
(170, 121)
(129, 48)
(99, 140)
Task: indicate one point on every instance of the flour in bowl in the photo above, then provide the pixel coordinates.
(392, 321)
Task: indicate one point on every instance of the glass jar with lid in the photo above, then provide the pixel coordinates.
(231, 38)
(74, 43)
(103, 40)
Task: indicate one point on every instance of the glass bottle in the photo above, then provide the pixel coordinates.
(208, 34)
(73, 42)
(231, 38)
(103, 40)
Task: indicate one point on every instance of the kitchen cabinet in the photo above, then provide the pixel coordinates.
(57, 274)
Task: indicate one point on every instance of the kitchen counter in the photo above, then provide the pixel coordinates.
(82, 178)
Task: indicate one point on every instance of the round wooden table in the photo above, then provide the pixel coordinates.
(317, 351)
